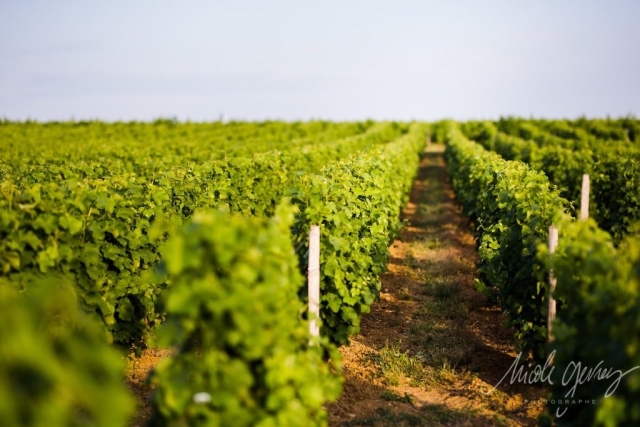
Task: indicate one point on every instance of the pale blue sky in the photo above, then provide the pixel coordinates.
(340, 60)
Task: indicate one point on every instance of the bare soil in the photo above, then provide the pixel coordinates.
(136, 376)
(432, 348)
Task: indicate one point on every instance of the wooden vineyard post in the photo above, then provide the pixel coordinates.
(584, 199)
(553, 244)
(314, 280)
(428, 138)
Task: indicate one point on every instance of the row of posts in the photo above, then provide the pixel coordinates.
(314, 268)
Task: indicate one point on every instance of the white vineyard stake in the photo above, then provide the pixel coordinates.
(553, 244)
(314, 280)
(584, 199)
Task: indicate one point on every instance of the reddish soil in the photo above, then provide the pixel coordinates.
(461, 363)
(137, 380)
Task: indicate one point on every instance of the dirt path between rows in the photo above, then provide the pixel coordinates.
(432, 348)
